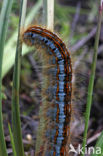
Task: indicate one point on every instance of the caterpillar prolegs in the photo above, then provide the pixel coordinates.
(55, 111)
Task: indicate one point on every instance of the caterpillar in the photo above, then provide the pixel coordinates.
(56, 108)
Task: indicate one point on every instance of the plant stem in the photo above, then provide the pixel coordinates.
(16, 122)
(44, 12)
(91, 82)
(5, 12)
(50, 14)
(12, 140)
(23, 13)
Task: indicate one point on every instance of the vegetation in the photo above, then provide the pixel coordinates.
(75, 22)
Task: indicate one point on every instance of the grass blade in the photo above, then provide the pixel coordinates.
(24, 7)
(91, 81)
(16, 123)
(5, 12)
(9, 56)
(12, 141)
(99, 144)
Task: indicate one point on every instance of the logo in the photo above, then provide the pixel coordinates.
(88, 150)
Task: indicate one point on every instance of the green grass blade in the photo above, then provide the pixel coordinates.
(23, 13)
(9, 55)
(91, 82)
(12, 141)
(16, 123)
(5, 12)
(99, 146)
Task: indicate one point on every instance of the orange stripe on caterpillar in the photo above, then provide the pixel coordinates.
(55, 112)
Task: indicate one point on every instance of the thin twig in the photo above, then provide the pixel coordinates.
(76, 17)
(93, 138)
(83, 41)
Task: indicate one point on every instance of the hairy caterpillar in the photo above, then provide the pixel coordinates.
(56, 109)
